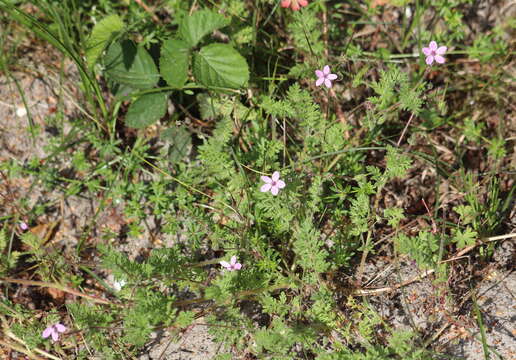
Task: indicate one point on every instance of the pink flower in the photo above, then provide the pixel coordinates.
(232, 265)
(324, 76)
(24, 226)
(432, 52)
(294, 4)
(273, 184)
(54, 330)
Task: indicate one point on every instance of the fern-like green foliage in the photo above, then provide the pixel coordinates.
(94, 323)
(310, 252)
(395, 92)
(464, 238)
(359, 214)
(7, 260)
(300, 108)
(423, 248)
(151, 308)
(214, 153)
(397, 163)
(278, 338)
(306, 32)
(323, 307)
(121, 266)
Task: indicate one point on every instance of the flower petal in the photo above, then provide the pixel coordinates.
(303, 2)
(237, 266)
(327, 82)
(233, 260)
(60, 327)
(225, 264)
(326, 70)
(433, 45)
(275, 176)
(274, 190)
(265, 187)
(266, 179)
(285, 3)
(55, 335)
(319, 73)
(295, 6)
(332, 77)
(47, 332)
(280, 184)
(439, 59)
(427, 51)
(441, 50)
(429, 60)
(319, 81)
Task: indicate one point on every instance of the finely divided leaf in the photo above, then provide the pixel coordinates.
(193, 28)
(146, 110)
(219, 65)
(131, 65)
(180, 140)
(100, 36)
(173, 62)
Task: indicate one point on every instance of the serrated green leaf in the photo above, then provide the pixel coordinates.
(121, 90)
(131, 65)
(179, 139)
(173, 62)
(193, 28)
(146, 110)
(219, 65)
(102, 32)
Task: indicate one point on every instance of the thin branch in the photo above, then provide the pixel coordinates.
(146, 8)
(461, 253)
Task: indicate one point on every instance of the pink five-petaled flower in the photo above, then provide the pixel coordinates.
(273, 184)
(294, 4)
(54, 330)
(432, 52)
(232, 264)
(324, 76)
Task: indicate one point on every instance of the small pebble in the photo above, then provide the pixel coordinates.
(21, 111)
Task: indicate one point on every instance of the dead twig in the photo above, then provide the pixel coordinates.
(405, 129)
(461, 253)
(146, 8)
(58, 287)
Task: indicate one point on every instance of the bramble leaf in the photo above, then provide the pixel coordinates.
(219, 65)
(173, 62)
(102, 32)
(131, 65)
(193, 28)
(146, 110)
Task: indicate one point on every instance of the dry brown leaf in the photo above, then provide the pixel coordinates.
(56, 294)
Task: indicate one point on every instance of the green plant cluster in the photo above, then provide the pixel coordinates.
(202, 187)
